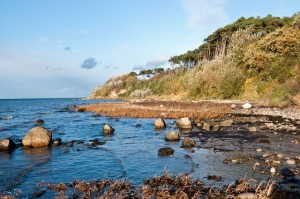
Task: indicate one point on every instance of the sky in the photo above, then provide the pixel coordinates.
(65, 48)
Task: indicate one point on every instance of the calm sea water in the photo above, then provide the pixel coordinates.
(130, 153)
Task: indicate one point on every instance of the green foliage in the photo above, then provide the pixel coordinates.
(231, 83)
(261, 60)
(279, 95)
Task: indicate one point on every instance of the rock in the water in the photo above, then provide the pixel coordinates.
(226, 122)
(247, 106)
(206, 127)
(81, 110)
(296, 99)
(159, 123)
(287, 172)
(37, 137)
(7, 144)
(172, 136)
(107, 129)
(252, 129)
(56, 142)
(39, 122)
(188, 142)
(165, 151)
(184, 123)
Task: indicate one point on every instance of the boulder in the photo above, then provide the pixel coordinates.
(37, 137)
(159, 123)
(39, 122)
(7, 144)
(226, 122)
(172, 136)
(184, 123)
(188, 142)
(108, 129)
(296, 99)
(165, 151)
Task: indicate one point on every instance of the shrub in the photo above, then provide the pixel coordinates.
(231, 83)
(141, 93)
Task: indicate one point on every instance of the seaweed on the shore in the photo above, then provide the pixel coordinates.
(165, 186)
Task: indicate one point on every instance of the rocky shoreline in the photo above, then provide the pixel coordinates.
(264, 138)
(267, 138)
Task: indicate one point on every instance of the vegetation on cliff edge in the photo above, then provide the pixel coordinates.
(253, 58)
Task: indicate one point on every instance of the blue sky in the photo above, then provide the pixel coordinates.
(65, 48)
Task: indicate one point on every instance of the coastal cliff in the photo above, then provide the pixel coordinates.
(251, 59)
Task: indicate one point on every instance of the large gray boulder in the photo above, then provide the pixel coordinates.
(159, 123)
(184, 123)
(172, 136)
(37, 137)
(188, 142)
(107, 129)
(7, 144)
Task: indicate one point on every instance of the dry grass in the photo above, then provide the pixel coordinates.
(155, 109)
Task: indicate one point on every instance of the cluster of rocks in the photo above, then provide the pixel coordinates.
(42, 137)
(278, 164)
(171, 136)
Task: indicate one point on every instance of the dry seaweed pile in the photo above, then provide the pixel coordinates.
(164, 186)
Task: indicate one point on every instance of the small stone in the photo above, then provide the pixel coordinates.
(252, 129)
(7, 144)
(159, 123)
(188, 142)
(280, 155)
(184, 123)
(267, 154)
(255, 165)
(81, 110)
(273, 170)
(226, 122)
(216, 128)
(172, 136)
(291, 162)
(287, 172)
(258, 150)
(233, 106)
(247, 195)
(165, 151)
(247, 106)
(108, 129)
(39, 122)
(206, 127)
(56, 142)
(234, 161)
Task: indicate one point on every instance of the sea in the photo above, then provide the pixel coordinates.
(130, 153)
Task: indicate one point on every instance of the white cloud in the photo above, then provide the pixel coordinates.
(156, 62)
(204, 13)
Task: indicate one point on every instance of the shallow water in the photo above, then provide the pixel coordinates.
(130, 153)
